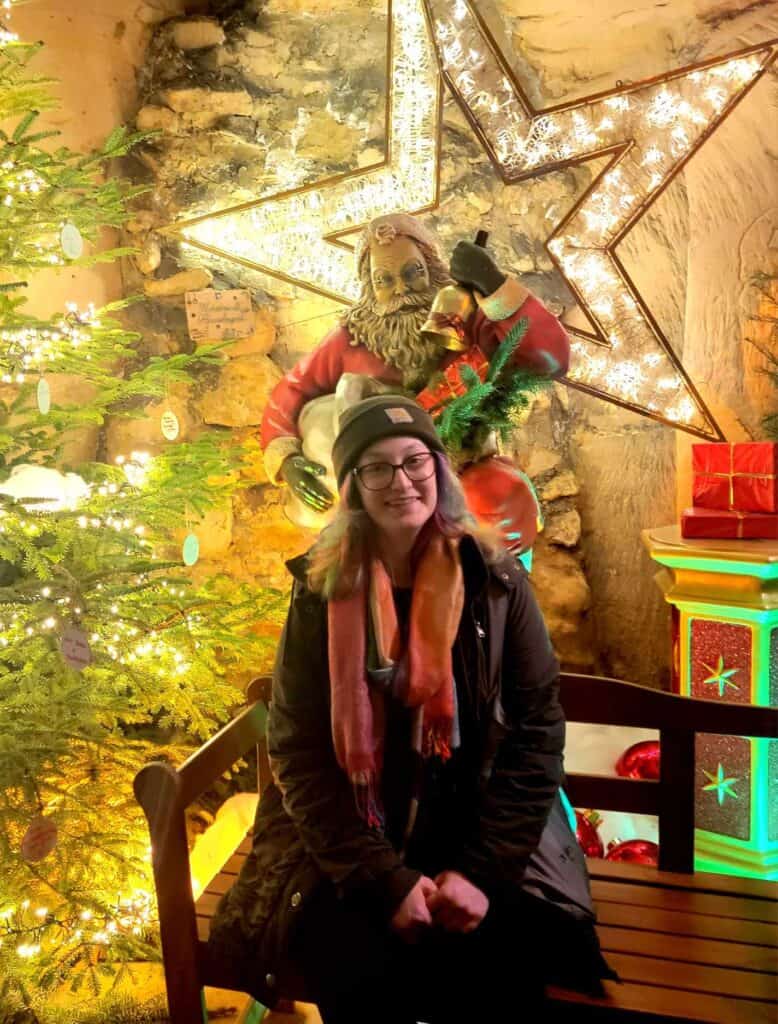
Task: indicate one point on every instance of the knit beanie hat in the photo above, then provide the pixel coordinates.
(372, 420)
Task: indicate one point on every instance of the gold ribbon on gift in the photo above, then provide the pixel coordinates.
(732, 474)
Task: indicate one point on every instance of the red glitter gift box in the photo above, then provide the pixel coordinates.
(739, 477)
(451, 386)
(722, 524)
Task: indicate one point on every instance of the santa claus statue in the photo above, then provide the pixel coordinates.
(379, 345)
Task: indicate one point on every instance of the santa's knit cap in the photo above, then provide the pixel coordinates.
(374, 419)
(384, 230)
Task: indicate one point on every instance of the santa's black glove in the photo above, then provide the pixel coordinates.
(473, 267)
(301, 476)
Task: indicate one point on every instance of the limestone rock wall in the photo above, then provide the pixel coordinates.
(252, 96)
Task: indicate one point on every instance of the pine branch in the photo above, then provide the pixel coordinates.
(492, 404)
(165, 651)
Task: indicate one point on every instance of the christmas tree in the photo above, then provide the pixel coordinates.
(110, 655)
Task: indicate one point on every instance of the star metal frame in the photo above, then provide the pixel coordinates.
(647, 131)
(302, 229)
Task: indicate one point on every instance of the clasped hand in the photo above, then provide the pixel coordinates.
(450, 901)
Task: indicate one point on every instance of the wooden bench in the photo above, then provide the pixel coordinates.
(688, 947)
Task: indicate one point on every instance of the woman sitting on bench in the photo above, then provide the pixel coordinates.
(412, 859)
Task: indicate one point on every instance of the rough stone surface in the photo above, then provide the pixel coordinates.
(239, 395)
(195, 100)
(178, 284)
(149, 257)
(540, 461)
(125, 434)
(213, 529)
(153, 118)
(564, 528)
(197, 33)
(565, 599)
(563, 485)
(326, 138)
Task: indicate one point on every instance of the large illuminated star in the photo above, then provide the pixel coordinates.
(647, 131)
(296, 235)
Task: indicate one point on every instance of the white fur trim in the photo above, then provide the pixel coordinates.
(503, 303)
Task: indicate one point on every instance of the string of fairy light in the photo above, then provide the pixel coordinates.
(28, 924)
(647, 130)
(293, 225)
(27, 348)
(31, 348)
(128, 915)
(6, 35)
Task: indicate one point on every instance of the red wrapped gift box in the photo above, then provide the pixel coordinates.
(742, 477)
(717, 523)
(451, 386)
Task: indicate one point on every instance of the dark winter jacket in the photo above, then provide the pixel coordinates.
(307, 824)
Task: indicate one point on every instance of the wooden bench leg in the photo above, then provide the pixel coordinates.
(186, 1005)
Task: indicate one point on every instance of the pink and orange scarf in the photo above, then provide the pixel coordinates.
(426, 678)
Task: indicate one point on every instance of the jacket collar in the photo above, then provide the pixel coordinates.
(475, 567)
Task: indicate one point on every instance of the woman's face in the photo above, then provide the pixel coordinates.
(405, 504)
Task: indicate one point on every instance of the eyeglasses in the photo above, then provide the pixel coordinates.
(377, 476)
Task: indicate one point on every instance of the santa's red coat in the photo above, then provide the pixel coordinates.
(545, 348)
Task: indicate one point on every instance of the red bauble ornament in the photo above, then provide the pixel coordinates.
(500, 495)
(640, 761)
(39, 839)
(635, 851)
(587, 835)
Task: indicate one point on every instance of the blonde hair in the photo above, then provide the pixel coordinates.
(340, 558)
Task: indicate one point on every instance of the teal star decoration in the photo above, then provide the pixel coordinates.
(721, 785)
(721, 676)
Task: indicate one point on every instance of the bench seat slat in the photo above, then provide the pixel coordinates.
(221, 883)
(700, 881)
(673, 1004)
(677, 922)
(664, 922)
(234, 864)
(683, 949)
(723, 981)
(678, 899)
(206, 905)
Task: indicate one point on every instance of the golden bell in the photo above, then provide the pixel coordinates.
(447, 321)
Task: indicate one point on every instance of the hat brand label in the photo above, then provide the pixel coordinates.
(399, 415)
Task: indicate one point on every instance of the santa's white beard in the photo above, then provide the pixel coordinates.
(395, 335)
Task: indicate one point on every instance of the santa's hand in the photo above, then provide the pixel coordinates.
(301, 476)
(458, 905)
(473, 267)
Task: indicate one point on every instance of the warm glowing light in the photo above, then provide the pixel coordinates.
(665, 120)
(287, 235)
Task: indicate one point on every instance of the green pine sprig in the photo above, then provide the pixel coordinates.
(492, 404)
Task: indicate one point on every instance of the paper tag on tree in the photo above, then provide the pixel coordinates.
(191, 549)
(44, 396)
(219, 315)
(75, 648)
(71, 241)
(39, 839)
(169, 425)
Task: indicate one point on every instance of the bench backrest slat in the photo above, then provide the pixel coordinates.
(601, 701)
